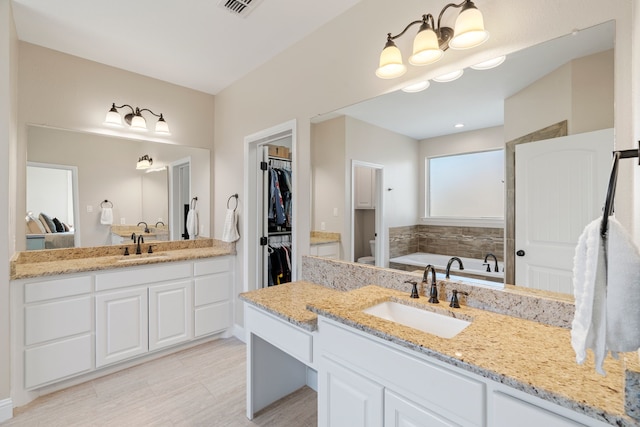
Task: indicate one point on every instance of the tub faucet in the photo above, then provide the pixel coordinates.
(138, 248)
(146, 227)
(495, 267)
(433, 292)
(455, 258)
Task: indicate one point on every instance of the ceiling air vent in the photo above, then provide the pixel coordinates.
(239, 7)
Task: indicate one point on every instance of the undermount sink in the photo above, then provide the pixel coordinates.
(142, 257)
(417, 318)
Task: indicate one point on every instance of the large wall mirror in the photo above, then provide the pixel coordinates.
(74, 177)
(560, 90)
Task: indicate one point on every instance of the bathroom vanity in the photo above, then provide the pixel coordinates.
(77, 318)
(498, 371)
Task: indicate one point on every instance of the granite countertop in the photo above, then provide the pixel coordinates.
(322, 237)
(54, 262)
(526, 355)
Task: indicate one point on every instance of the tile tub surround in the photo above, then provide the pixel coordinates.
(549, 308)
(321, 237)
(468, 242)
(494, 346)
(73, 260)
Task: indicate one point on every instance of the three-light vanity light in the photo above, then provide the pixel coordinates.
(432, 40)
(135, 119)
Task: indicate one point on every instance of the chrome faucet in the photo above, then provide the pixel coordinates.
(495, 268)
(455, 258)
(146, 227)
(433, 292)
(138, 248)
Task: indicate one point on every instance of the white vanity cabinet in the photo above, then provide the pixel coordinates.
(56, 325)
(326, 250)
(170, 314)
(364, 379)
(365, 187)
(212, 292)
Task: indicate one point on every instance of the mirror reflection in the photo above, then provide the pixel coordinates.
(561, 90)
(100, 193)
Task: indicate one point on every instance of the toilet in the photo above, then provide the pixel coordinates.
(369, 259)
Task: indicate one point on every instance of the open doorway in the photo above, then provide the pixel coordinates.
(367, 223)
(179, 198)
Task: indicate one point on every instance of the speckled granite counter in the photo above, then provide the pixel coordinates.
(529, 356)
(322, 237)
(53, 262)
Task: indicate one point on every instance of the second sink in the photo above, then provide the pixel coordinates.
(423, 320)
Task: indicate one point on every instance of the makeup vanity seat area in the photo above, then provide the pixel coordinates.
(69, 325)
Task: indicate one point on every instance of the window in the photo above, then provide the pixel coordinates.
(469, 185)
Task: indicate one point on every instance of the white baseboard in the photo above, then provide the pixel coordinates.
(238, 332)
(6, 410)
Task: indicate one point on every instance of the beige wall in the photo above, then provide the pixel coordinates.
(8, 142)
(581, 91)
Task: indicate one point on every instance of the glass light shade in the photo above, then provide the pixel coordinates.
(449, 77)
(143, 164)
(469, 30)
(491, 63)
(426, 49)
(416, 87)
(113, 118)
(391, 65)
(162, 127)
(138, 123)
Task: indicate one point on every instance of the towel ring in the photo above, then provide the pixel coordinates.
(232, 197)
(106, 201)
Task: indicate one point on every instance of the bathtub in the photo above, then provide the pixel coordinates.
(472, 267)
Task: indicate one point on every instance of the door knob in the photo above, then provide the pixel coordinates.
(520, 253)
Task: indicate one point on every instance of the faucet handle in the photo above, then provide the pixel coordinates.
(414, 291)
(126, 250)
(454, 298)
(150, 250)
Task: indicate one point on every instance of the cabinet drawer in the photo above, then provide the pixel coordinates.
(210, 289)
(510, 411)
(212, 318)
(58, 319)
(51, 289)
(328, 250)
(433, 386)
(142, 275)
(211, 266)
(290, 339)
(57, 360)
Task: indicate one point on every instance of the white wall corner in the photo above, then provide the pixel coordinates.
(6, 410)
(238, 332)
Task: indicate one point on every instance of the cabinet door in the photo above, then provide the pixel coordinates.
(347, 399)
(169, 314)
(400, 412)
(365, 187)
(121, 325)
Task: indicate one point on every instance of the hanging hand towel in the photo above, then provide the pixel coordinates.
(588, 328)
(106, 216)
(230, 231)
(623, 290)
(192, 224)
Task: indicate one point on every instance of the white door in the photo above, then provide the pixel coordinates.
(121, 325)
(560, 188)
(170, 319)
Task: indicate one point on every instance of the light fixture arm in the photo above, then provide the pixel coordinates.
(411, 24)
(146, 109)
(116, 107)
(448, 6)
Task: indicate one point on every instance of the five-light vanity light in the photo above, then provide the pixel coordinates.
(135, 119)
(432, 40)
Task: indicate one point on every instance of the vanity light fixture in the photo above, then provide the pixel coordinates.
(416, 87)
(491, 63)
(135, 119)
(431, 41)
(144, 162)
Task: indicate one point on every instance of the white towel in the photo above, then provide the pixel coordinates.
(589, 286)
(106, 216)
(230, 231)
(192, 224)
(607, 293)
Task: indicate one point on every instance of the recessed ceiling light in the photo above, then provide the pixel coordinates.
(492, 63)
(416, 87)
(459, 125)
(449, 77)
